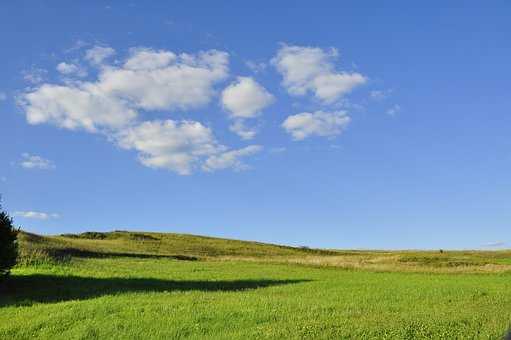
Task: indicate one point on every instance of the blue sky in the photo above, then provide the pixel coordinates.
(326, 124)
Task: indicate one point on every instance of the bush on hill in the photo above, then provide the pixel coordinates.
(8, 244)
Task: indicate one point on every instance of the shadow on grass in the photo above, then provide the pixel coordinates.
(62, 254)
(27, 290)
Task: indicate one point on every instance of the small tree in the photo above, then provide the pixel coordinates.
(8, 244)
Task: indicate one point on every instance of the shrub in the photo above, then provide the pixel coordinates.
(8, 244)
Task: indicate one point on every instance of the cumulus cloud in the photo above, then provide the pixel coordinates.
(97, 54)
(156, 82)
(230, 159)
(312, 69)
(149, 80)
(245, 99)
(319, 123)
(71, 69)
(177, 146)
(36, 215)
(29, 161)
(84, 106)
(180, 146)
(147, 59)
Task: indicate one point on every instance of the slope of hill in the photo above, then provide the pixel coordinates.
(43, 249)
(144, 244)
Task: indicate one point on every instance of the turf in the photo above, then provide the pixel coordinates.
(220, 289)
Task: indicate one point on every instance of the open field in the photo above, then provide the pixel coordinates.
(146, 285)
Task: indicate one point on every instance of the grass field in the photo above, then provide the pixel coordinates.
(126, 285)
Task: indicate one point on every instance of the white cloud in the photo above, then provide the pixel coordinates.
(147, 80)
(147, 59)
(394, 110)
(312, 69)
(3, 96)
(176, 146)
(330, 87)
(84, 106)
(36, 215)
(187, 82)
(114, 99)
(245, 98)
(29, 161)
(97, 54)
(240, 128)
(71, 69)
(319, 123)
(230, 159)
(181, 147)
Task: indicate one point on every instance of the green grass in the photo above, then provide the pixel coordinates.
(117, 288)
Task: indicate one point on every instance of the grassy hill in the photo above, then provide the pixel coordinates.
(145, 244)
(40, 249)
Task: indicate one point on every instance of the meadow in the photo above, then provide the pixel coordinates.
(127, 285)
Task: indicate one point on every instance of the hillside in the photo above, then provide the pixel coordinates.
(145, 244)
(42, 249)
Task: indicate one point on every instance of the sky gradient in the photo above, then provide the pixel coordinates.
(326, 124)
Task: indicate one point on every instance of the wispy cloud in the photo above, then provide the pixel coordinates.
(36, 215)
(97, 54)
(394, 110)
(256, 67)
(380, 94)
(231, 159)
(29, 161)
(71, 69)
(35, 75)
(497, 244)
(277, 149)
(77, 45)
(319, 123)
